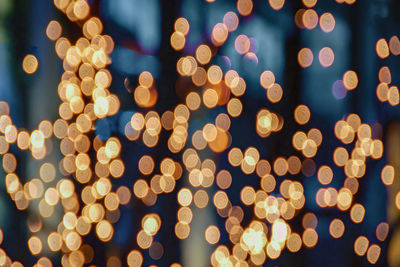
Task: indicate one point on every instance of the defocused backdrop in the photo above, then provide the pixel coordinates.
(199, 133)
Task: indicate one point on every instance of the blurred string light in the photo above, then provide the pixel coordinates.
(84, 92)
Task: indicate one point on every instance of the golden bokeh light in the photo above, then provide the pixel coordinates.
(178, 40)
(310, 19)
(276, 4)
(305, 57)
(336, 228)
(388, 175)
(309, 3)
(53, 30)
(231, 21)
(302, 114)
(326, 57)
(361, 245)
(220, 33)
(357, 213)
(275, 93)
(242, 44)
(350, 80)
(182, 26)
(203, 54)
(373, 253)
(244, 7)
(30, 64)
(212, 234)
(382, 48)
(310, 237)
(267, 79)
(327, 22)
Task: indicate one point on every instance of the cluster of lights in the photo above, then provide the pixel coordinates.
(84, 92)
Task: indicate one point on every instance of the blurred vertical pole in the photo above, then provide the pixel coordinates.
(11, 219)
(391, 24)
(170, 11)
(361, 21)
(28, 99)
(393, 158)
(367, 27)
(293, 87)
(363, 57)
(196, 252)
(41, 101)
